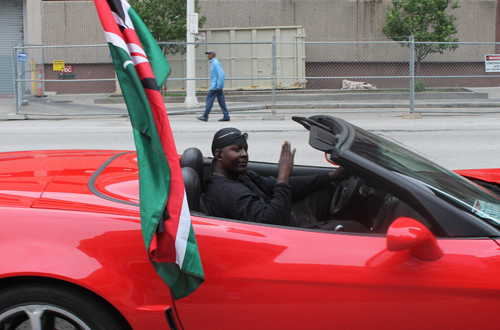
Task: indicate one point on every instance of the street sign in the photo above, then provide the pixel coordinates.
(200, 37)
(67, 72)
(68, 68)
(492, 63)
(57, 65)
(193, 23)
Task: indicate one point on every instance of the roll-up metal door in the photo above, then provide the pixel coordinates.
(11, 29)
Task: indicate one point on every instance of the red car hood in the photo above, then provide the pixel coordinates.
(67, 179)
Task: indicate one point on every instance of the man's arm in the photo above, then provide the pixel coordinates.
(276, 211)
(338, 174)
(305, 185)
(245, 201)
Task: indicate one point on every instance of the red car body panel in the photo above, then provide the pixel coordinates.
(489, 175)
(77, 236)
(267, 277)
(257, 276)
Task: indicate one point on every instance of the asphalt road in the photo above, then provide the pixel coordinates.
(454, 141)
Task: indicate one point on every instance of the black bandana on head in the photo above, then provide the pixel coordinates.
(228, 136)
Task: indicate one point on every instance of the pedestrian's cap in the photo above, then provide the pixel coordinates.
(211, 51)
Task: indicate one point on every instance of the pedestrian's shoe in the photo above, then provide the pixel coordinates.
(202, 118)
(224, 119)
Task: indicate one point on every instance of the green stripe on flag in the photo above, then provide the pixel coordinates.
(156, 57)
(184, 285)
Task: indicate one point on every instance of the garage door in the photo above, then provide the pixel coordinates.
(11, 27)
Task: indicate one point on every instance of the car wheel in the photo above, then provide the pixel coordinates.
(50, 307)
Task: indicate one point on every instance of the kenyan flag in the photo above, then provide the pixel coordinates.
(165, 220)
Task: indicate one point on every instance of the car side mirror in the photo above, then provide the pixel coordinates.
(409, 234)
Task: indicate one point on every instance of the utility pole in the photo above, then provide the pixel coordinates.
(497, 27)
(191, 29)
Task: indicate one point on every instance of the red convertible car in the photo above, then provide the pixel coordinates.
(423, 254)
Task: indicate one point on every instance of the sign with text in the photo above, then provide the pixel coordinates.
(66, 76)
(57, 65)
(21, 57)
(67, 72)
(193, 23)
(200, 37)
(68, 68)
(492, 63)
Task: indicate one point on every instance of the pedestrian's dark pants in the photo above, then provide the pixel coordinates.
(212, 94)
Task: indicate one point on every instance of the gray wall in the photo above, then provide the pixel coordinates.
(348, 20)
(76, 23)
(73, 23)
(338, 20)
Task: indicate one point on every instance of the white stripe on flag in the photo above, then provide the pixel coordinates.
(138, 59)
(119, 20)
(134, 48)
(116, 41)
(182, 232)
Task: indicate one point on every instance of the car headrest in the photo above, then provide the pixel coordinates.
(193, 158)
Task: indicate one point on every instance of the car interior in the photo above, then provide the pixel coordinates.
(356, 207)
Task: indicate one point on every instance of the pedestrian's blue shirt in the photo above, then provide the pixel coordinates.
(217, 75)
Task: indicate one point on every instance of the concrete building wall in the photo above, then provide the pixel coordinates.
(73, 23)
(338, 20)
(346, 20)
(76, 22)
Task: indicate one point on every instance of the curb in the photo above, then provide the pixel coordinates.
(321, 97)
(448, 107)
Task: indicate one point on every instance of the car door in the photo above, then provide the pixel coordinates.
(271, 277)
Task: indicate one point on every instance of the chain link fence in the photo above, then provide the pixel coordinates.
(378, 69)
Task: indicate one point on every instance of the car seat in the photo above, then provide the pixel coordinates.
(192, 172)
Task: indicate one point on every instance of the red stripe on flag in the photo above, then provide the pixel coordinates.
(107, 19)
(138, 54)
(131, 37)
(144, 71)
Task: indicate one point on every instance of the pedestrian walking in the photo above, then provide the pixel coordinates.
(217, 77)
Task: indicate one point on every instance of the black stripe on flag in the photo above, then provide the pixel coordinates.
(117, 8)
(149, 83)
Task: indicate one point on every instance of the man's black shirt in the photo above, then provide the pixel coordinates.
(259, 199)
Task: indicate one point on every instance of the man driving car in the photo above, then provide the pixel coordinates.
(233, 192)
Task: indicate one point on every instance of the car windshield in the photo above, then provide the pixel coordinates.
(444, 183)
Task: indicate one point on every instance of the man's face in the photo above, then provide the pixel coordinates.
(234, 159)
(210, 56)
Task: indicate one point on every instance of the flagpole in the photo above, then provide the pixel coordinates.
(191, 29)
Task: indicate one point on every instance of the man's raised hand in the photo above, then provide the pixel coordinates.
(285, 164)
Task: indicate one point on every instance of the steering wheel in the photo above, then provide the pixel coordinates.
(346, 192)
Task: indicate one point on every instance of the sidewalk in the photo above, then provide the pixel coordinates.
(92, 105)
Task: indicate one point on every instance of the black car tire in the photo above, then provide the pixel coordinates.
(53, 307)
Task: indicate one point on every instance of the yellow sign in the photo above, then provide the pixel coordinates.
(58, 65)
